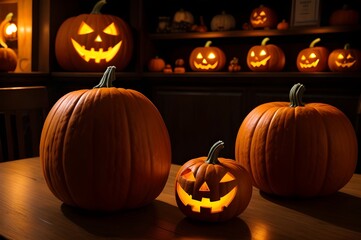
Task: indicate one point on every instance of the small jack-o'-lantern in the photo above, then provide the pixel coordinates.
(313, 59)
(92, 42)
(211, 188)
(266, 58)
(345, 60)
(263, 17)
(207, 58)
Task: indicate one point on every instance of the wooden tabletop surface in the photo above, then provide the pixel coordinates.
(28, 210)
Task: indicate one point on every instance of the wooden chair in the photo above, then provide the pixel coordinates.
(22, 114)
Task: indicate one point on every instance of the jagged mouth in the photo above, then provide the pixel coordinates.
(96, 55)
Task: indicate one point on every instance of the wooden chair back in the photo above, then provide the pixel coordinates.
(22, 114)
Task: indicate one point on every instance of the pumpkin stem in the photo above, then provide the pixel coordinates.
(214, 152)
(296, 94)
(108, 78)
(98, 6)
(208, 43)
(264, 41)
(347, 46)
(313, 43)
(7, 19)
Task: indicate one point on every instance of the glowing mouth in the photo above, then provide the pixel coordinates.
(261, 63)
(206, 67)
(344, 65)
(96, 55)
(259, 21)
(311, 65)
(215, 206)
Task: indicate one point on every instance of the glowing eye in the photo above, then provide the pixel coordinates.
(227, 178)
(111, 30)
(263, 53)
(211, 56)
(85, 29)
(199, 56)
(340, 56)
(187, 174)
(312, 55)
(303, 58)
(252, 54)
(349, 56)
(262, 14)
(255, 14)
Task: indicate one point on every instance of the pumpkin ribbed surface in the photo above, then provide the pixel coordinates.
(105, 149)
(298, 150)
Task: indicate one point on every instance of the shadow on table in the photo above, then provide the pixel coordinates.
(158, 220)
(340, 209)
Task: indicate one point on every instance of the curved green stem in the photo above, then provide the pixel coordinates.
(347, 46)
(108, 78)
(296, 94)
(264, 41)
(313, 43)
(208, 43)
(214, 152)
(98, 6)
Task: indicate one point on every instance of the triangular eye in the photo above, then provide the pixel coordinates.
(199, 56)
(227, 178)
(111, 30)
(211, 56)
(84, 29)
(188, 175)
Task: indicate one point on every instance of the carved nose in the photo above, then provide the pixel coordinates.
(204, 187)
(98, 39)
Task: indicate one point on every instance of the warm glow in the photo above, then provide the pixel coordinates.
(260, 63)
(206, 67)
(215, 206)
(345, 63)
(11, 29)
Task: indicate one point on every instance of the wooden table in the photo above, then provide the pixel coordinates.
(28, 210)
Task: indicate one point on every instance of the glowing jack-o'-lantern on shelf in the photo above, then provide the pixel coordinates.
(263, 17)
(212, 189)
(266, 58)
(207, 58)
(345, 60)
(313, 59)
(8, 57)
(92, 42)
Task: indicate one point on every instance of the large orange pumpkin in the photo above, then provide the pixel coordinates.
(266, 57)
(105, 149)
(92, 42)
(213, 189)
(295, 149)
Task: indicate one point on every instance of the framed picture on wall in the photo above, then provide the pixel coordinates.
(305, 13)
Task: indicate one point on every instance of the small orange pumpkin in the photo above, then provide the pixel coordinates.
(8, 60)
(212, 189)
(295, 149)
(105, 149)
(263, 17)
(92, 42)
(156, 64)
(313, 59)
(345, 60)
(207, 58)
(266, 58)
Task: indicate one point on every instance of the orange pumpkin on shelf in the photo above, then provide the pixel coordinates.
(283, 25)
(313, 59)
(212, 189)
(266, 57)
(223, 22)
(92, 42)
(345, 59)
(156, 64)
(297, 149)
(105, 149)
(8, 60)
(263, 17)
(344, 16)
(207, 58)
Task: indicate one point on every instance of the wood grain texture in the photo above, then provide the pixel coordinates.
(30, 211)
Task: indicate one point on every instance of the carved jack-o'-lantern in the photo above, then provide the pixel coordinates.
(207, 58)
(92, 42)
(263, 17)
(211, 188)
(266, 58)
(313, 59)
(345, 60)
